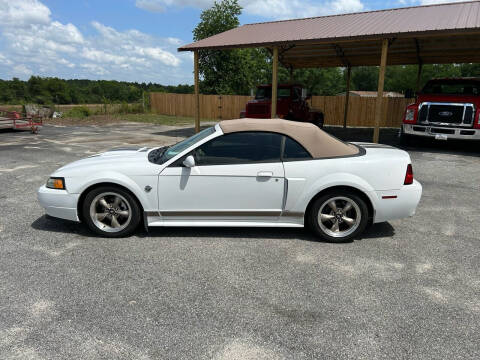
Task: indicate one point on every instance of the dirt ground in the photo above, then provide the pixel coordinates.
(90, 120)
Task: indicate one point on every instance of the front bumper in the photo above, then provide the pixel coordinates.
(441, 132)
(397, 204)
(58, 203)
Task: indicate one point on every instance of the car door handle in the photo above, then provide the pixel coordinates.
(265, 174)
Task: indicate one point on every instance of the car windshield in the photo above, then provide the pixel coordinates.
(185, 144)
(452, 87)
(266, 93)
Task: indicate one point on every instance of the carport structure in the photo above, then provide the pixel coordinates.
(432, 34)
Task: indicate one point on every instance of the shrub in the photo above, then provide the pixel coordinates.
(78, 112)
(125, 108)
(136, 109)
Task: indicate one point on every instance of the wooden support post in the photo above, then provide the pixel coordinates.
(347, 97)
(381, 81)
(291, 74)
(197, 91)
(274, 82)
(420, 65)
(419, 75)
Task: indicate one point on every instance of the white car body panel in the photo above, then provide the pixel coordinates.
(58, 203)
(402, 206)
(258, 187)
(371, 174)
(258, 194)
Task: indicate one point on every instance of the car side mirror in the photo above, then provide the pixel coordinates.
(189, 161)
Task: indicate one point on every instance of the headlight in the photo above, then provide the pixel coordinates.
(409, 114)
(56, 183)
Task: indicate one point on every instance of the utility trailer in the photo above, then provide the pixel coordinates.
(15, 120)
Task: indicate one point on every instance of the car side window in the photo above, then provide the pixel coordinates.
(240, 148)
(294, 151)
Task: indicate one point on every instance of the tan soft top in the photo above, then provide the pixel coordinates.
(316, 141)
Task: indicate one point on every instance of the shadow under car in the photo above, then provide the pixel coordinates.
(48, 223)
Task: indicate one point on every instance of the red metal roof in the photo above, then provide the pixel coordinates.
(452, 18)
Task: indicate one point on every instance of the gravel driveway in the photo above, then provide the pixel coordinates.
(408, 289)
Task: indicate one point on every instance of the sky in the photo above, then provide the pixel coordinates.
(130, 40)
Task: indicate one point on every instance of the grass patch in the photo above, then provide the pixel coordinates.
(7, 107)
(78, 112)
(78, 117)
(159, 119)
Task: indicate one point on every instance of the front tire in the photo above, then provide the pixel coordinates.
(338, 216)
(111, 212)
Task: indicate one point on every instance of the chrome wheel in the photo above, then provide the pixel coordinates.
(339, 216)
(110, 212)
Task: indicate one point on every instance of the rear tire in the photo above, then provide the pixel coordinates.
(338, 216)
(111, 212)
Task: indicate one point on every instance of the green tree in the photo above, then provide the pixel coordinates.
(364, 78)
(36, 88)
(58, 91)
(19, 89)
(470, 70)
(402, 77)
(323, 81)
(6, 92)
(227, 71)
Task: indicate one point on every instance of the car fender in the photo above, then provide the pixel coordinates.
(78, 185)
(333, 180)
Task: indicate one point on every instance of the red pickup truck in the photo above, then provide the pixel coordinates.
(291, 104)
(446, 108)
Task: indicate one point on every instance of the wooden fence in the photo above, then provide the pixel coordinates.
(213, 107)
(361, 110)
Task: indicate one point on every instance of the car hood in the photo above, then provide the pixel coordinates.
(119, 159)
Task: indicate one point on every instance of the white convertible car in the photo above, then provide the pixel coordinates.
(248, 172)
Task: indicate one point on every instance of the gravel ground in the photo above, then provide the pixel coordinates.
(408, 289)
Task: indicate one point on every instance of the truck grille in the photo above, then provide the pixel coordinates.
(446, 113)
(257, 109)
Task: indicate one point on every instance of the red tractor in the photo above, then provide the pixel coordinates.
(291, 104)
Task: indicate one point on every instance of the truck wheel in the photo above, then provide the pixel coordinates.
(338, 216)
(111, 212)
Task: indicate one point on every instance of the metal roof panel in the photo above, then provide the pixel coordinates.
(450, 18)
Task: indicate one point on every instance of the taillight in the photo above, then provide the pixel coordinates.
(410, 114)
(409, 175)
